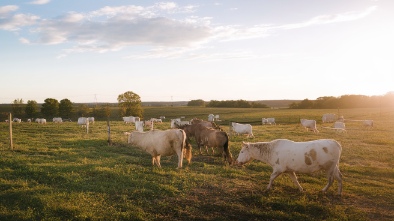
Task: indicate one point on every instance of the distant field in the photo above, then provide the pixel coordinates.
(59, 172)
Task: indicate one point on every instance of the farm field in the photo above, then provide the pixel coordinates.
(60, 172)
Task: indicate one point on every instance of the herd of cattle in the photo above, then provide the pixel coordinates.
(285, 156)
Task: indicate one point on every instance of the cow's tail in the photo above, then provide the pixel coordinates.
(226, 151)
(186, 147)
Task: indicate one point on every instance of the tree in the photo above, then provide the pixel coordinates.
(83, 110)
(50, 108)
(31, 109)
(17, 108)
(196, 103)
(130, 104)
(65, 108)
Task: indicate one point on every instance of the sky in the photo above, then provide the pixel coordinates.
(95, 50)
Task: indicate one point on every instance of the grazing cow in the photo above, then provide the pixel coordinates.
(161, 143)
(210, 137)
(139, 126)
(328, 118)
(309, 124)
(211, 117)
(41, 120)
(268, 121)
(368, 123)
(286, 156)
(242, 129)
(339, 126)
(57, 120)
(173, 121)
(17, 120)
(129, 119)
(91, 120)
(155, 120)
(83, 121)
(217, 117)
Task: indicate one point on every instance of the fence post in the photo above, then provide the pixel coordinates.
(10, 122)
(109, 133)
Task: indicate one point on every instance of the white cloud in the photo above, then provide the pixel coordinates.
(327, 19)
(114, 28)
(4, 10)
(40, 2)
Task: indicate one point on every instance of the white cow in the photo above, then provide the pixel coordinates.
(91, 120)
(368, 123)
(328, 118)
(57, 120)
(129, 119)
(309, 124)
(156, 120)
(17, 120)
(286, 156)
(339, 126)
(41, 120)
(173, 121)
(211, 117)
(83, 121)
(139, 126)
(270, 121)
(242, 129)
(161, 143)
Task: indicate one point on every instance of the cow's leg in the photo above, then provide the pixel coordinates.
(180, 158)
(274, 175)
(158, 161)
(330, 177)
(295, 181)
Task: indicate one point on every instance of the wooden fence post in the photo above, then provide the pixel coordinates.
(10, 122)
(109, 133)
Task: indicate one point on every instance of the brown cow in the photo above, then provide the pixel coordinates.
(208, 137)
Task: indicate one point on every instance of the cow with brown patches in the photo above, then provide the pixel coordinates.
(286, 156)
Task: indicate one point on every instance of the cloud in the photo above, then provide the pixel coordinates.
(328, 19)
(162, 28)
(40, 2)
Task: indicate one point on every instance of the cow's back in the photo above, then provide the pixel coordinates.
(307, 156)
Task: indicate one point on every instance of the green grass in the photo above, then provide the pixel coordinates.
(59, 172)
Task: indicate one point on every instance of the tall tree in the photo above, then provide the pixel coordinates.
(65, 108)
(50, 108)
(17, 108)
(31, 109)
(83, 110)
(130, 104)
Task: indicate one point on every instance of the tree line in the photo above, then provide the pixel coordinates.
(129, 104)
(226, 103)
(346, 101)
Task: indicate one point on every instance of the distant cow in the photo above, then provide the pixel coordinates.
(17, 120)
(309, 124)
(57, 120)
(91, 120)
(211, 117)
(270, 121)
(129, 119)
(286, 156)
(161, 143)
(242, 129)
(368, 123)
(329, 118)
(41, 120)
(83, 121)
(339, 126)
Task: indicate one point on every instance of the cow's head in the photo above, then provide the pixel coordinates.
(244, 155)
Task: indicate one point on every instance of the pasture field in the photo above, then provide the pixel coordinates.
(59, 172)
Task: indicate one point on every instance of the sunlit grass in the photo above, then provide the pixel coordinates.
(60, 172)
